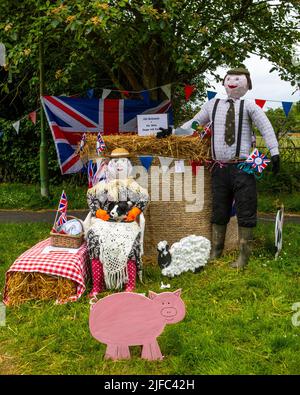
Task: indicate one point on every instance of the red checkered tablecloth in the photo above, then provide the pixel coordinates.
(73, 266)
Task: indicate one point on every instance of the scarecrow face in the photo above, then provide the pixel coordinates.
(236, 85)
(119, 168)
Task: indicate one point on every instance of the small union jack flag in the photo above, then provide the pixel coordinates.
(91, 170)
(257, 161)
(61, 216)
(82, 141)
(100, 145)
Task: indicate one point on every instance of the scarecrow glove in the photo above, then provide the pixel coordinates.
(275, 164)
(132, 214)
(102, 214)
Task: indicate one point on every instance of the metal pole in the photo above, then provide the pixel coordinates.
(43, 147)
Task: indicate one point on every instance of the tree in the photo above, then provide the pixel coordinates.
(142, 44)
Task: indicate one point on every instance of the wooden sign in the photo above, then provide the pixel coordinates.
(128, 319)
(149, 124)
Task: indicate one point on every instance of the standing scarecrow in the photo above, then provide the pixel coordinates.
(231, 140)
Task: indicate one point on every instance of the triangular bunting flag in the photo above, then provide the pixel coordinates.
(32, 117)
(146, 96)
(211, 94)
(90, 93)
(195, 166)
(287, 105)
(167, 90)
(188, 90)
(165, 163)
(105, 93)
(146, 161)
(260, 102)
(16, 125)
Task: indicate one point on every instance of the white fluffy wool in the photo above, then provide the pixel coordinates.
(189, 253)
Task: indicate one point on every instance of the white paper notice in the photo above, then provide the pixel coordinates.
(49, 249)
(149, 124)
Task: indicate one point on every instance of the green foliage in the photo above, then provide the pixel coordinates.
(237, 322)
(19, 156)
(140, 44)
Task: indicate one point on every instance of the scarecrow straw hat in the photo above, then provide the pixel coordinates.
(119, 153)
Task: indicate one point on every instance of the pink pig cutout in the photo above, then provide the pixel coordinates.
(128, 319)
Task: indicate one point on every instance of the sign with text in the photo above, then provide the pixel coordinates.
(149, 124)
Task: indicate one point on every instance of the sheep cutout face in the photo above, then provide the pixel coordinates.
(129, 319)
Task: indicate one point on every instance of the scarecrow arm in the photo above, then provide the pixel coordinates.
(265, 127)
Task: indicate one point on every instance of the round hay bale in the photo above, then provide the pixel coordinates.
(176, 218)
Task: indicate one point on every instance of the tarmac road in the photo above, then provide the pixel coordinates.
(49, 215)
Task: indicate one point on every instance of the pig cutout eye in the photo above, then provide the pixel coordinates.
(177, 293)
(152, 295)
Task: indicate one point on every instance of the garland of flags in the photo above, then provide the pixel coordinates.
(188, 92)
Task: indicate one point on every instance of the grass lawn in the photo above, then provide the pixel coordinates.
(27, 197)
(237, 322)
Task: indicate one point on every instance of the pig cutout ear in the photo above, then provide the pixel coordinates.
(152, 295)
(177, 293)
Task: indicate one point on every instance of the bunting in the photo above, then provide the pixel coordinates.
(146, 161)
(165, 163)
(287, 105)
(90, 93)
(105, 93)
(260, 102)
(16, 125)
(211, 94)
(32, 117)
(167, 90)
(188, 91)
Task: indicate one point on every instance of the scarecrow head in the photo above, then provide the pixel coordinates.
(237, 82)
(119, 166)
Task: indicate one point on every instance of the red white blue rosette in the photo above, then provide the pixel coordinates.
(257, 160)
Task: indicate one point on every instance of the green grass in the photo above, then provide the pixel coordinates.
(237, 322)
(27, 197)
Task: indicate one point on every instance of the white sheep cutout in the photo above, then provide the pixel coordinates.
(188, 254)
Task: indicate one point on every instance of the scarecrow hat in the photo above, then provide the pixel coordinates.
(119, 153)
(239, 71)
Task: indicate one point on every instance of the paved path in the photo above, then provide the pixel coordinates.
(49, 215)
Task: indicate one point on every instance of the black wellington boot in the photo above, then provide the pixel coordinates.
(217, 241)
(245, 239)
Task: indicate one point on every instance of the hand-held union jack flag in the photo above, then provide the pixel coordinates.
(61, 215)
(100, 145)
(257, 160)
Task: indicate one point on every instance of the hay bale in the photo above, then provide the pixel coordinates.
(178, 147)
(24, 286)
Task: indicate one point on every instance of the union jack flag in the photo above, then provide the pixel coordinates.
(91, 170)
(70, 117)
(100, 145)
(257, 160)
(61, 216)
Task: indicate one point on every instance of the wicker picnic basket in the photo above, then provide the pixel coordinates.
(65, 240)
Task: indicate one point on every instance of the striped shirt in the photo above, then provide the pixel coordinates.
(252, 114)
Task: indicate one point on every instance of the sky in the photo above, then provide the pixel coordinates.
(265, 85)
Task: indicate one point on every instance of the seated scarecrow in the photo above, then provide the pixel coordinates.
(111, 228)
